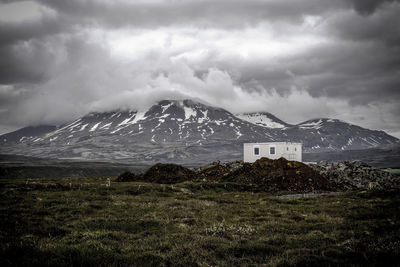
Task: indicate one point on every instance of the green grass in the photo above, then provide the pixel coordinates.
(65, 222)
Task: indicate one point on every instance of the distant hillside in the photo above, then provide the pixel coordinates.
(184, 132)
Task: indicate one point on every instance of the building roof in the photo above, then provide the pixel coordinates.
(273, 143)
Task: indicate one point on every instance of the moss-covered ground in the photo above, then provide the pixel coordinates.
(83, 222)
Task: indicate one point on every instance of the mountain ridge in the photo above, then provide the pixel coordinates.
(184, 131)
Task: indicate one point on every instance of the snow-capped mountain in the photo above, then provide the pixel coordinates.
(183, 131)
(324, 134)
(167, 121)
(263, 119)
(169, 130)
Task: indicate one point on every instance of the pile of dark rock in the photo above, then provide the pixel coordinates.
(351, 175)
(264, 174)
(217, 171)
(129, 177)
(274, 175)
(168, 174)
(280, 175)
(159, 173)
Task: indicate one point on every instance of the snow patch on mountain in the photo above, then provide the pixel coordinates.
(311, 124)
(94, 127)
(189, 112)
(204, 118)
(127, 121)
(165, 107)
(140, 115)
(260, 119)
(83, 127)
(106, 126)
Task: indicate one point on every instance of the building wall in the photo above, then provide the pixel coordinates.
(290, 151)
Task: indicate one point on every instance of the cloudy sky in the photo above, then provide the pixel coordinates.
(298, 59)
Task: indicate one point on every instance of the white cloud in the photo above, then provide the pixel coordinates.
(107, 85)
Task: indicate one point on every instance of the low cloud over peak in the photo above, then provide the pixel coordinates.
(333, 59)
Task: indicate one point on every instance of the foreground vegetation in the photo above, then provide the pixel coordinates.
(91, 222)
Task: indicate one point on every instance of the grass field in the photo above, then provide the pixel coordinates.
(85, 222)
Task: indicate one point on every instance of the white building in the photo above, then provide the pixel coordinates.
(272, 150)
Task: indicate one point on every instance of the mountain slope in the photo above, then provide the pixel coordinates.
(186, 132)
(326, 134)
(168, 131)
(166, 121)
(25, 134)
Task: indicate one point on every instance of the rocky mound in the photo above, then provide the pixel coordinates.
(350, 175)
(129, 177)
(280, 174)
(168, 174)
(264, 174)
(212, 172)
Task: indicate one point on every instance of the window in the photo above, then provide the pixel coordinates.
(272, 150)
(295, 149)
(287, 148)
(256, 150)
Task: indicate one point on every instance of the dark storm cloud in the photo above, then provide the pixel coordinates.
(9, 1)
(16, 69)
(367, 7)
(13, 32)
(53, 60)
(26, 49)
(157, 14)
(383, 26)
(344, 70)
(26, 62)
(232, 13)
(351, 71)
(209, 13)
